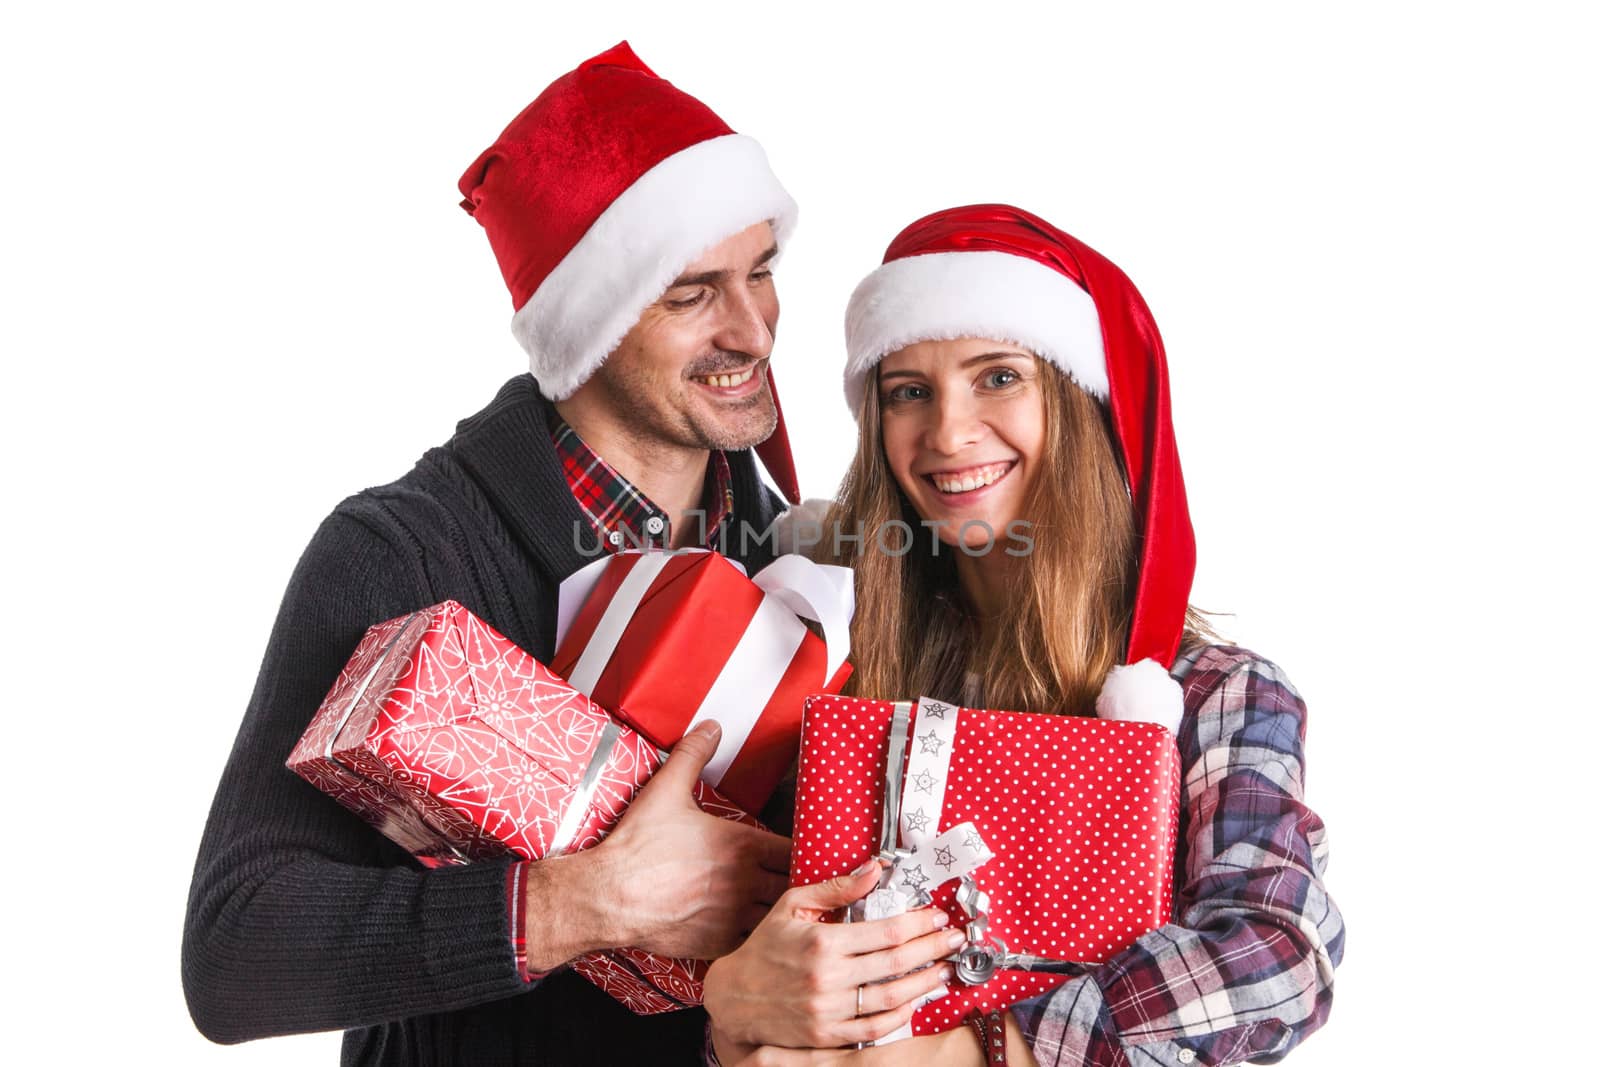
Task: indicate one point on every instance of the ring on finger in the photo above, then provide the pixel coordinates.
(859, 990)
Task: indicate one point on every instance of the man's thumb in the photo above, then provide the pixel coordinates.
(691, 754)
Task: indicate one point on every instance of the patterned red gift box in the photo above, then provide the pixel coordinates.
(666, 639)
(460, 746)
(1067, 824)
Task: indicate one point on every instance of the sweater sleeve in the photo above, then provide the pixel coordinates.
(1245, 971)
(301, 917)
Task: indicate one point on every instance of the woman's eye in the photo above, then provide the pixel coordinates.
(1001, 377)
(903, 393)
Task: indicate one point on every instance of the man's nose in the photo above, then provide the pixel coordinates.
(748, 319)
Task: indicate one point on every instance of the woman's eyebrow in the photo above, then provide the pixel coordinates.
(989, 357)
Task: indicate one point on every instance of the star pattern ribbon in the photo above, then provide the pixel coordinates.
(929, 858)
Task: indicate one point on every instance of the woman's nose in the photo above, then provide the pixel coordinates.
(954, 425)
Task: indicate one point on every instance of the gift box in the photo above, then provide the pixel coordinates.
(664, 640)
(460, 746)
(1067, 825)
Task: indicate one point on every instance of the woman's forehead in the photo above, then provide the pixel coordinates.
(937, 356)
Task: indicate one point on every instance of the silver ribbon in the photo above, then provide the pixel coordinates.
(578, 806)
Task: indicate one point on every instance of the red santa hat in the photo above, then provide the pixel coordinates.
(993, 271)
(597, 196)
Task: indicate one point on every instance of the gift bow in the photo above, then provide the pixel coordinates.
(793, 586)
(914, 806)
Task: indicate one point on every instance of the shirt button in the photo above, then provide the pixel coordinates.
(1186, 1055)
(654, 524)
(615, 537)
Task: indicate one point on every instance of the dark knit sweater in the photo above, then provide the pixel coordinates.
(301, 917)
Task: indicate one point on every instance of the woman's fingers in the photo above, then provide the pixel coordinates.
(886, 933)
(872, 1027)
(880, 997)
(814, 901)
(902, 959)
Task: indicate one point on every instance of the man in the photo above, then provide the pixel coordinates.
(636, 233)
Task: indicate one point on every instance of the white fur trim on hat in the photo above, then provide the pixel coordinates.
(1141, 692)
(668, 217)
(942, 296)
(804, 518)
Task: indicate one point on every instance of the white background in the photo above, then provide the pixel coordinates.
(238, 287)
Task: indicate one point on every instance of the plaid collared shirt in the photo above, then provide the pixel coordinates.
(1245, 969)
(622, 516)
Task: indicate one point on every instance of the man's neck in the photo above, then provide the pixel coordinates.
(672, 477)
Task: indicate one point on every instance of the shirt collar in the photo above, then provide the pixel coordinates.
(622, 516)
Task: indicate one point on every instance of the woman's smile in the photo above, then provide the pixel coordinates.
(966, 484)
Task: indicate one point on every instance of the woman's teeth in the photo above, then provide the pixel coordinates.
(967, 481)
(727, 381)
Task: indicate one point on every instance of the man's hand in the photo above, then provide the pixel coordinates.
(794, 982)
(679, 882)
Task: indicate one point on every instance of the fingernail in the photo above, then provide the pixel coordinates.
(946, 975)
(864, 868)
(957, 938)
(711, 728)
(940, 920)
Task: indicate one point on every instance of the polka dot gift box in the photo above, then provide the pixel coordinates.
(460, 746)
(1065, 828)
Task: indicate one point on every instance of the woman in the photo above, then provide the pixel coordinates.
(1011, 390)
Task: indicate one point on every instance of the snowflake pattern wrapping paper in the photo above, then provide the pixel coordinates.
(664, 639)
(1081, 815)
(460, 746)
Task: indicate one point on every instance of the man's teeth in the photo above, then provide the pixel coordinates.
(727, 381)
(970, 480)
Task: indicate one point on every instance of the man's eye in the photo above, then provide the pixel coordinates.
(686, 302)
(761, 277)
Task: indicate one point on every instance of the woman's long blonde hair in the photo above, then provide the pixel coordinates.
(1069, 606)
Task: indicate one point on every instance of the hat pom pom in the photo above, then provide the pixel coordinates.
(800, 527)
(1141, 692)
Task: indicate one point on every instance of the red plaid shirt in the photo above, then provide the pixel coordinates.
(623, 518)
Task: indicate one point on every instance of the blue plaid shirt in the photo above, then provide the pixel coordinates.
(1245, 969)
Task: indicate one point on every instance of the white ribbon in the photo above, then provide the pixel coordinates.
(747, 681)
(791, 586)
(935, 858)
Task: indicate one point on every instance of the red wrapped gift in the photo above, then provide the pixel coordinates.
(1068, 825)
(460, 746)
(667, 639)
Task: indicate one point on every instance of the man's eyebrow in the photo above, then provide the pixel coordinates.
(712, 277)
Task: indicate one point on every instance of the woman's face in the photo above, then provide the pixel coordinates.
(964, 433)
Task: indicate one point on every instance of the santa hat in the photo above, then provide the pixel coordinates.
(994, 271)
(597, 196)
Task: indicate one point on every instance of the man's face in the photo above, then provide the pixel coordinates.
(692, 371)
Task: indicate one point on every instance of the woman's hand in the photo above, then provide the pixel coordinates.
(796, 980)
(955, 1048)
